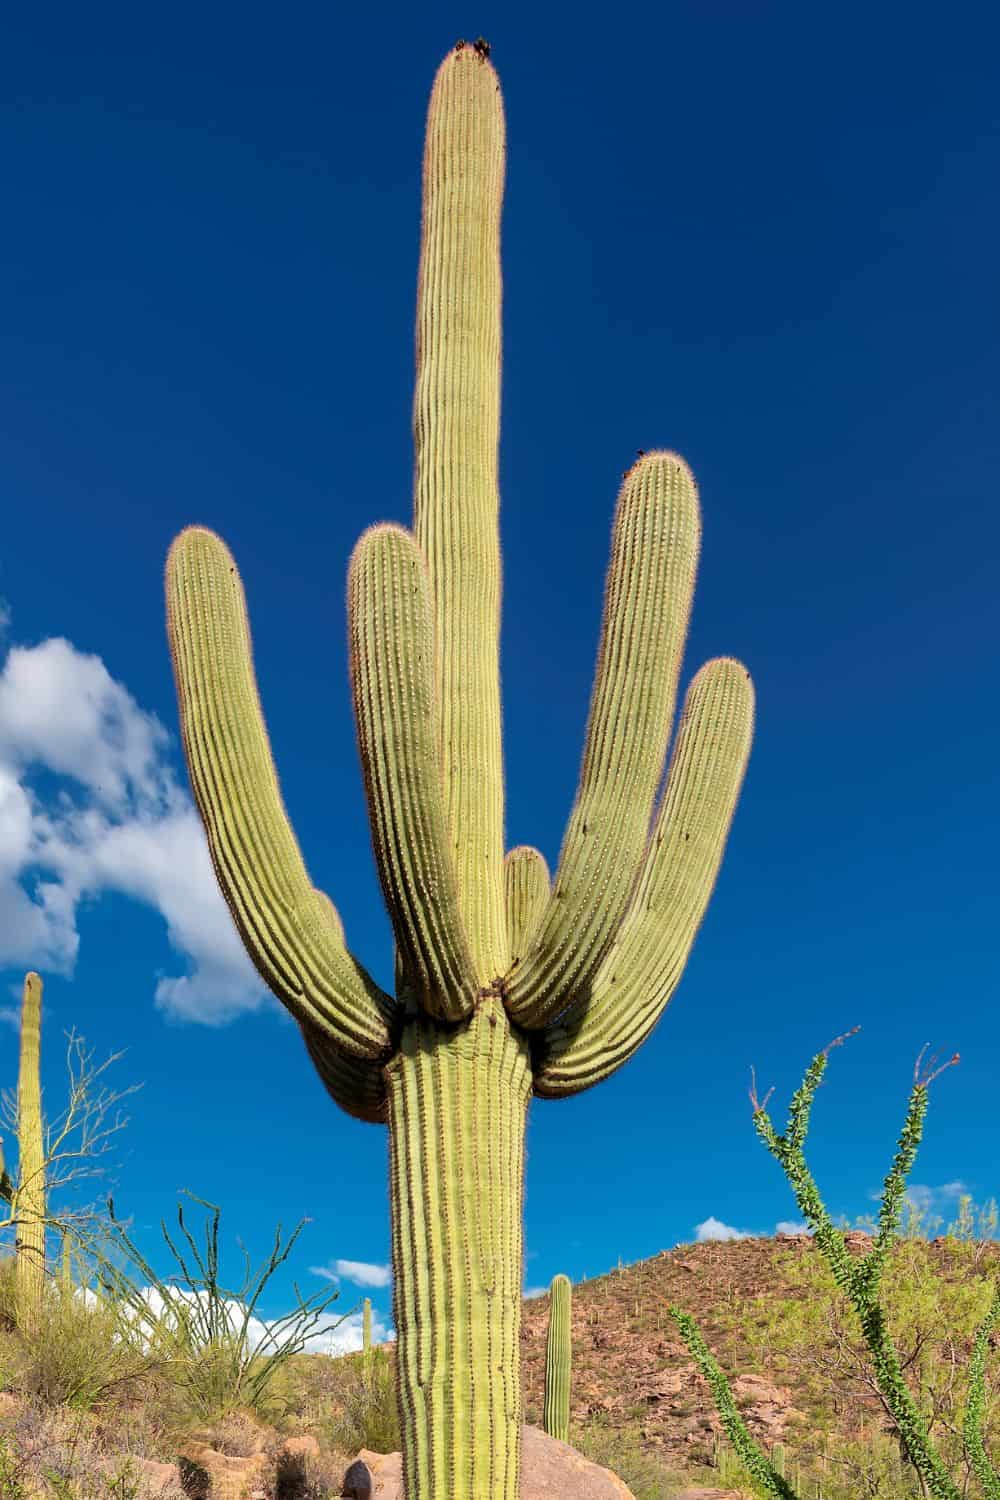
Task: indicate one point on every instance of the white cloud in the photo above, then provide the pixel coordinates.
(358, 1272)
(4, 617)
(790, 1226)
(90, 802)
(530, 1292)
(333, 1334)
(714, 1229)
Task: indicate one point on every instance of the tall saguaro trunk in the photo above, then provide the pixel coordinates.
(505, 986)
(28, 1203)
(458, 1102)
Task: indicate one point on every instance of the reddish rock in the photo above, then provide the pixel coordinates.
(550, 1470)
(304, 1446)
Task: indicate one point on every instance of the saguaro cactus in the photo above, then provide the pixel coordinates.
(503, 988)
(558, 1360)
(28, 1196)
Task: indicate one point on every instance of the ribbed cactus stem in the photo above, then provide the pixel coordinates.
(28, 1206)
(506, 983)
(457, 1108)
(366, 1327)
(558, 1360)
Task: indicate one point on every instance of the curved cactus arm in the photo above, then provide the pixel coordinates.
(526, 879)
(456, 417)
(654, 556)
(357, 1084)
(602, 1031)
(290, 930)
(395, 707)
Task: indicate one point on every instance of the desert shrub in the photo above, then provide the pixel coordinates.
(58, 1454)
(79, 1353)
(620, 1450)
(364, 1396)
(208, 1340)
(308, 1476)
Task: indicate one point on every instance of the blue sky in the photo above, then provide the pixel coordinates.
(763, 238)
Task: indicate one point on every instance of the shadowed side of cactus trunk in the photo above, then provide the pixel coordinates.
(505, 985)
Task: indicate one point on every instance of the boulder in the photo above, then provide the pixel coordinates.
(303, 1446)
(550, 1470)
(157, 1479)
(710, 1494)
(208, 1475)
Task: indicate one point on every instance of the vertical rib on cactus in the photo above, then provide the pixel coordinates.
(366, 1325)
(28, 1205)
(558, 1359)
(502, 988)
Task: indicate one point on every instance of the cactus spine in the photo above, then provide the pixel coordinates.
(28, 1197)
(504, 988)
(558, 1357)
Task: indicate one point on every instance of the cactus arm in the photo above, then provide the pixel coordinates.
(357, 1084)
(603, 1030)
(647, 604)
(558, 1357)
(456, 415)
(289, 929)
(395, 706)
(526, 880)
(28, 1206)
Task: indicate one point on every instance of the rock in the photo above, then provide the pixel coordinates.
(374, 1474)
(157, 1478)
(702, 1494)
(208, 1475)
(303, 1446)
(550, 1470)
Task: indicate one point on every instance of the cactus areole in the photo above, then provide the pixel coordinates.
(504, 988)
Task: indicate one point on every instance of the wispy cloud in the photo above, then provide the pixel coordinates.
(530, 1292)
(90, 802)
(791, 1226)
(357, 1272)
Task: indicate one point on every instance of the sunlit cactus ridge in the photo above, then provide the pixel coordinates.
(503, 985)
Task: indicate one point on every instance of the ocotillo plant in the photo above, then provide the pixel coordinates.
(503, 988)
(558, 1360)
(860, 1282)
(27, 1191)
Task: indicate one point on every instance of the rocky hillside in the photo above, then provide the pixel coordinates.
(631, 1367)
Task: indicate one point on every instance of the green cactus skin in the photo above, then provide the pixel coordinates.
(504, 987)
(28, 1198)
(366, 1326)
(558, 1358)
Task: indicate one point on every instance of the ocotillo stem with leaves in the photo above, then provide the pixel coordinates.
(558, 1359)
(503, 987)
(860, 1281)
